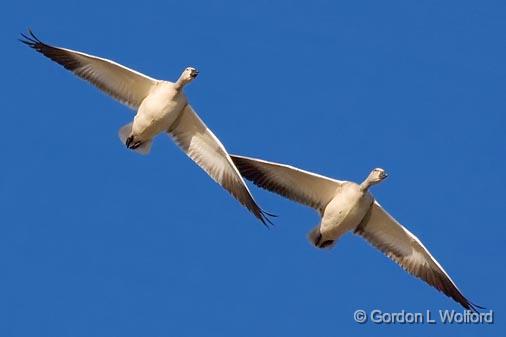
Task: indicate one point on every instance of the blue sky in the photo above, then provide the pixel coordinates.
(98, 241)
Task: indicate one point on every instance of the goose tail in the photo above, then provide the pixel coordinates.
(315, 237)
(125, 132)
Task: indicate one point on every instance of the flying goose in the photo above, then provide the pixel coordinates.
(346, 206)
(162, 107)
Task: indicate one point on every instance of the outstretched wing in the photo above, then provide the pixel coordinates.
(404, 248)
(126, 85)
(202, 146)
(305, 187)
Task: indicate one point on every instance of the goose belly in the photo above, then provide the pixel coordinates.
(157, 113)
(344, 213)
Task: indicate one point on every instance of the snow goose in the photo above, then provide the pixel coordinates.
(346, 206)
(162, 107)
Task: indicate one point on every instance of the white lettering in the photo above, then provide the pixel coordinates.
(466, 317)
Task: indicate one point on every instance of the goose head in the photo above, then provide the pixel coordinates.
(188, 75)
(377, 175)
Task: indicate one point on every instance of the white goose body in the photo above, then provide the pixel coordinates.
(345, 206)
(158, 111)
(344, 212)
(162, 108)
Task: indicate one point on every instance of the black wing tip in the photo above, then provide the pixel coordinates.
(30, 39)
(264, 217)
(464, 302)
(473, 307)
(270, 214)
(454, 293)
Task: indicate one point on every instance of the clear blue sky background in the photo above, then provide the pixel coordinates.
(98, 241)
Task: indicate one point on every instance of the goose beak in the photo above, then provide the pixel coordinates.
(194, 74)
